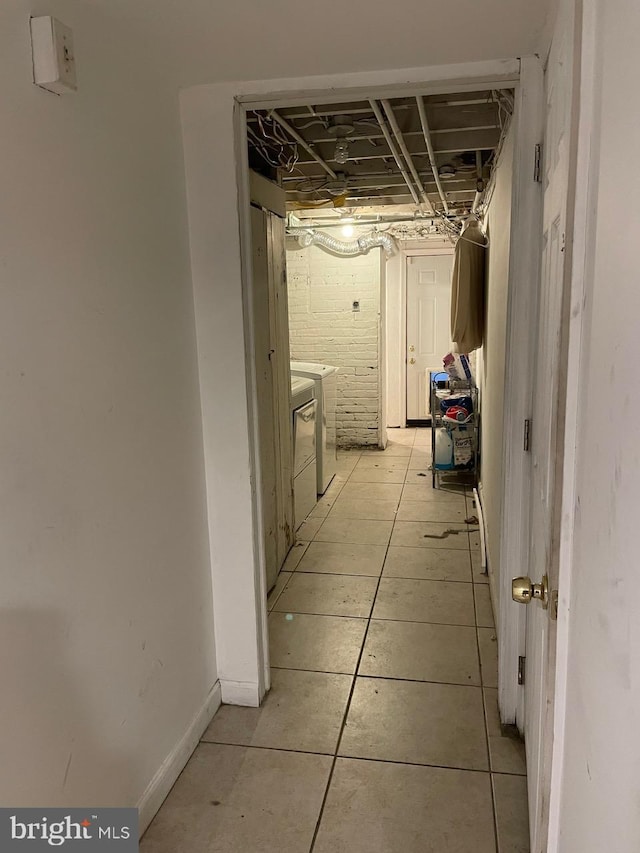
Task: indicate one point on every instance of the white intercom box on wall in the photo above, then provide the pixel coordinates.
(54, 65)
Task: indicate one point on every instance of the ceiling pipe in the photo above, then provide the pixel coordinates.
(478, 195)
(295, 135)
(392, 147)
(432, 157)
(407, 156)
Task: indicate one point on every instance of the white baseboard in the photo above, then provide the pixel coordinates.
(174, 763)
(483, 529)
(240, 693)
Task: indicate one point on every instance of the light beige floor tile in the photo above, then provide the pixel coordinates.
(419, 478)
(282, 581)
(476, 568)
(373, 491)
(294, 556)
(378, 475)
(328, 595)
(335, 487)
(321, 509)
(232, 799)
(425, 534)
(506, 749)
(308, 529)
(423, 491)
(401, 436)
(488, 643)
(416, 722)
(420, 461)
(474, 539)
(432, 511)
(421, 467)
(391, 450)
(421, 652)
(318, 643)
(355, 531)
(346, 465)
(512, 814)
(382, 462)
(373, 807)
(421, 451)
(338, 558)
(471, 506)
(303, 711)
(443, 602)
(423, 436)
(367, 509)
(484, 610)
(435, 564)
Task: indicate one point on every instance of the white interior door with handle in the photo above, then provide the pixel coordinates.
(546, 427)
(428, 325)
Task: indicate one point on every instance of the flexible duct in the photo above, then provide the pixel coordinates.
(359, 246)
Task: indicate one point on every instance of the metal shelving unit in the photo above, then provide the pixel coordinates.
(459, 432)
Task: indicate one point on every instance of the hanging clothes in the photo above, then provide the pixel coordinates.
(467, 289)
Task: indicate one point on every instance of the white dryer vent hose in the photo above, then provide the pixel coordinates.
(359, 246)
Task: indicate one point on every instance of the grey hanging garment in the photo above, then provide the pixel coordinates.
(467, 290)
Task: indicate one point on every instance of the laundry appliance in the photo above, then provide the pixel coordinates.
(304, 415)
(325, 378)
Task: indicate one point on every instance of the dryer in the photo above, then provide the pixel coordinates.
(303, 413)
(325, 377)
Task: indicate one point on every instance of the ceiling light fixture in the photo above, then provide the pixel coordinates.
(447, 171)
(341, 154)
(341, 127)
(348, 230)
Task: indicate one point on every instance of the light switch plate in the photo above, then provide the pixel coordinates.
(54, 65)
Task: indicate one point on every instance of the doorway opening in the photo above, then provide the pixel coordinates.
(366, 209)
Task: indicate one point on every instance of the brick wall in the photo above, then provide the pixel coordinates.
(325, 328)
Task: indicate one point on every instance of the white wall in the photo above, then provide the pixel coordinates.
(323, 327)
(106, 633)
(201, 41)
(599, 809)
(493, 359)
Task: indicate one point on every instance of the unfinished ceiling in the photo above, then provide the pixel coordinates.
(434, 152)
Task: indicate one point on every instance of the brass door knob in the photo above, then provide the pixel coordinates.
(523, 591)
(412, 361)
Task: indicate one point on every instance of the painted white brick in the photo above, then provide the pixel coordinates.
(324, 328)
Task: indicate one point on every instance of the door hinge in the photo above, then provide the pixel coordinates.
(521, 668)
(527, 435)
(537, 164)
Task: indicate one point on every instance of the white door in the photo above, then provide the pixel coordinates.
(428, 325)
(546, 428)
(271, 337)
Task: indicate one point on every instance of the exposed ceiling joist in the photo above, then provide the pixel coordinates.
(434, 151)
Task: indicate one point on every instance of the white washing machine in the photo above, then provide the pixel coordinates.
(304, 414)
(326, 381)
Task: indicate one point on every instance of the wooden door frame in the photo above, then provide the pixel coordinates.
(524, 275)
(217, 174)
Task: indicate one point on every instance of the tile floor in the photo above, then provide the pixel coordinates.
(381, 730)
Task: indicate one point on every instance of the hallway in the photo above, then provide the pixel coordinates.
(381, 730)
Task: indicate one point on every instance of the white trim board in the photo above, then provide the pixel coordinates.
(240, 693)
(165, 777)
(217, 178)
(524, 265)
